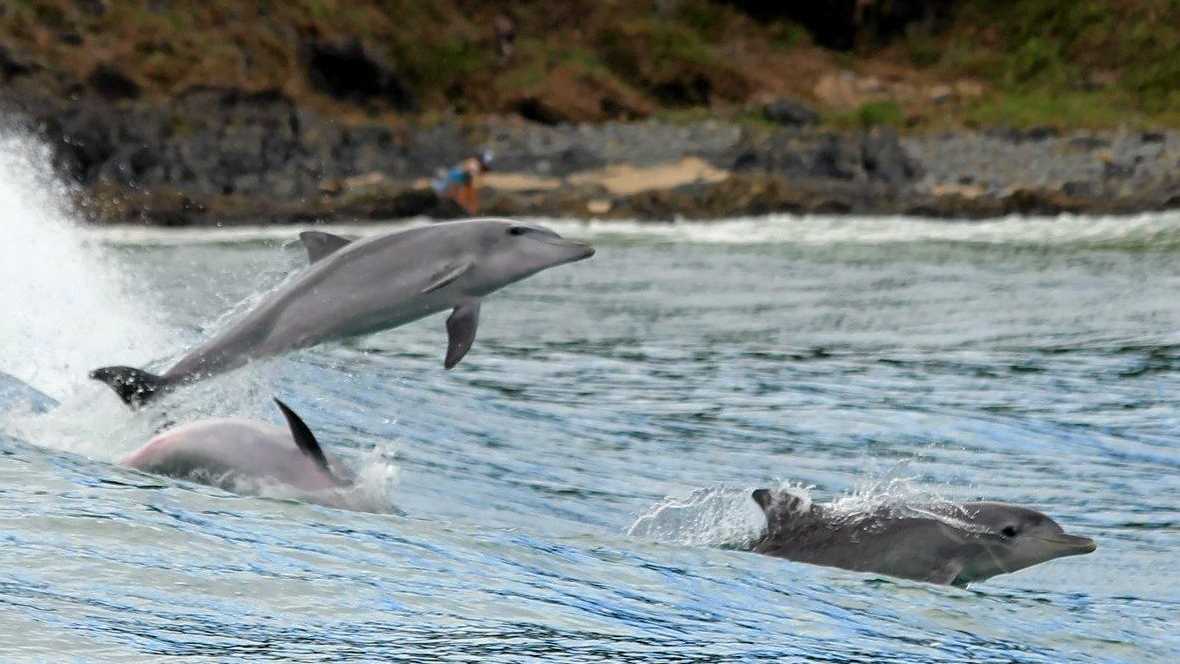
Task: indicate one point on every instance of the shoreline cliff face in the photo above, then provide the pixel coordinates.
(224, 156)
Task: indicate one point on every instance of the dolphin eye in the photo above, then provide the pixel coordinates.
(517, 230)
(1009, 531)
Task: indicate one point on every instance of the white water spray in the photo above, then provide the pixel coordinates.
(66, 309)
(716, 516)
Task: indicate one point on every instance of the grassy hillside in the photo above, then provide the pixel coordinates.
(923, 65)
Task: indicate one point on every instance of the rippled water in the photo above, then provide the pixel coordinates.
(573, 490)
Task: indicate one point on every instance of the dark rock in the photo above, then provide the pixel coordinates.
(1037, 202)
(886, 160)
(1153, 137)
(836, 157)
(92, 7)
(837, 24)
(110, 83)
(1078, 188)
(686, 89)
(129, 165)
(833, 207)
(536, 110)
(1113, 169)
(1004, 133)
(10, 67)
(1040, 133)
(1088, 142)
(790, 113)
(349, 72)
(84, 142)
(875, 156)
(374, 196)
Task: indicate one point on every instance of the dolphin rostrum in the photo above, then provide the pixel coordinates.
(230, 452)
(950, 544)
(360, 287)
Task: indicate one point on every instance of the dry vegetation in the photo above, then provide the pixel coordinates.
(1025, 62)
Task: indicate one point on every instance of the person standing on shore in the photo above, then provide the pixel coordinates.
(461, 182)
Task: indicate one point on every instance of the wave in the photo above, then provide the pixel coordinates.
(1142, 231)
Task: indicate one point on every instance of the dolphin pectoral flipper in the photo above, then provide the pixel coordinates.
(304, 438)
(134, 386)
(320, 244)
(947, 574)
(461, 332)
(449, 273)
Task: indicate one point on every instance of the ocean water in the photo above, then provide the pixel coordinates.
(578, 488)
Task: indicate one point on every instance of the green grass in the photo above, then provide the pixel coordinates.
(1061, 110)
(868, 115)
(1040, 57)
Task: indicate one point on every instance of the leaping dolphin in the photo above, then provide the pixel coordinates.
(947, 544)
(378, 283)
(224, 452)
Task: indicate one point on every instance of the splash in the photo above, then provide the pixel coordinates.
(66, 305)
(715, 516)
(374, 479)
(891, 491)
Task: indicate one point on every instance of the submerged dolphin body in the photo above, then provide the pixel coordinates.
(231, 453)
(17, 394)
(946, 544)
(378, 283)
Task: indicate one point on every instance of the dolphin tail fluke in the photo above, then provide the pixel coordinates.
(134, 386)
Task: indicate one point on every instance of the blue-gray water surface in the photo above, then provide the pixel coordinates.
(577, 488)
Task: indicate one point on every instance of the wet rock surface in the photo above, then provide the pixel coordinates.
(218, 155)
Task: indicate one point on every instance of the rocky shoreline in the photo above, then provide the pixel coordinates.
(221, 156)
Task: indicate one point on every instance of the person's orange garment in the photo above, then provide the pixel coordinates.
(466, 194)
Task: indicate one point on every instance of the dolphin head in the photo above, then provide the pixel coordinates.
(513, 250)
(1013, 538)
(782, 508)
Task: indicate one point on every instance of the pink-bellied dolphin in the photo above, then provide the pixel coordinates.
(950, 544)
(355, 288)
(232, 452)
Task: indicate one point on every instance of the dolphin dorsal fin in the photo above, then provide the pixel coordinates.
(320, 244)
(304, 438)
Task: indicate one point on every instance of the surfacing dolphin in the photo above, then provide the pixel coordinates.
(952, 544)
(238, 453)
(361, 287)
(17, 394)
